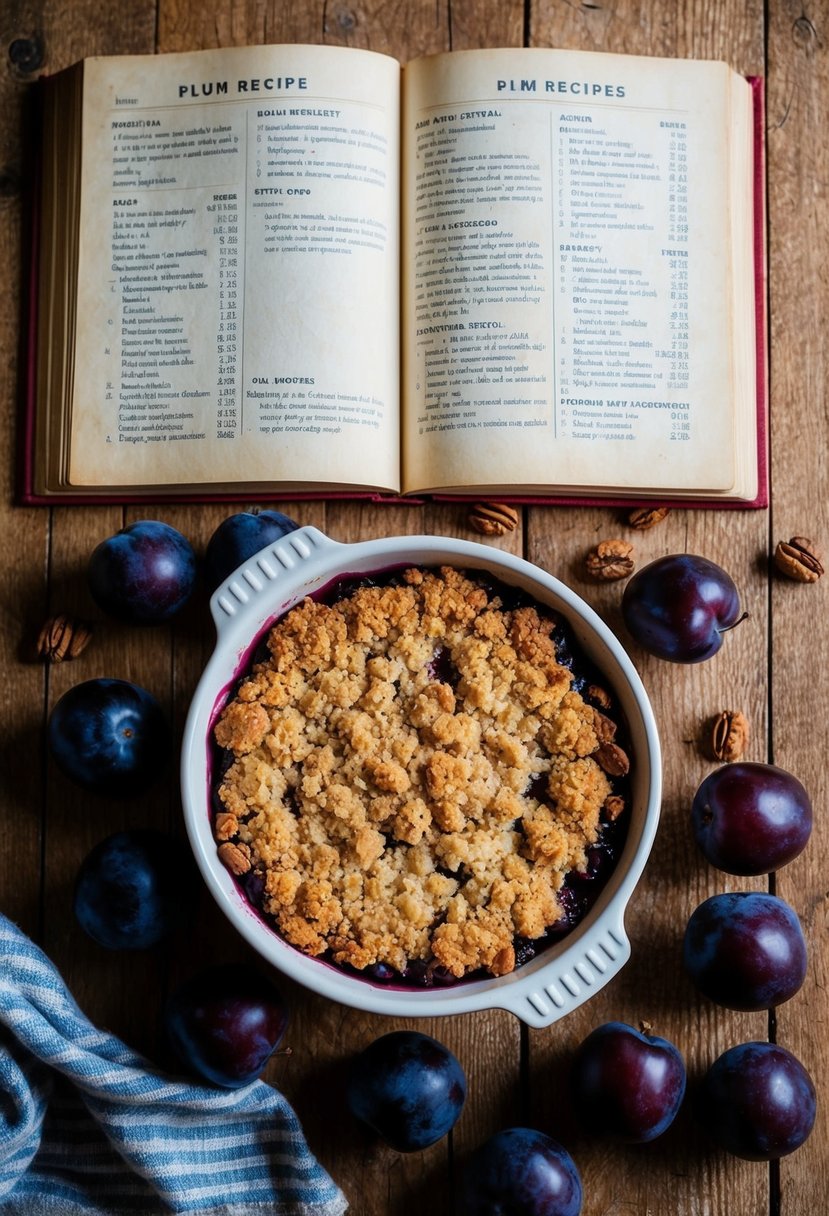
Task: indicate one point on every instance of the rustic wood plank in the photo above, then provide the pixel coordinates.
(652, 987)
(24, 534)
(798, 213)
(680, 1174)
(35, 40)
(73, 821)
(403, 29)
(104, 982)
(480, 24)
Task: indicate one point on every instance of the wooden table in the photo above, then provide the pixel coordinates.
(775, 667)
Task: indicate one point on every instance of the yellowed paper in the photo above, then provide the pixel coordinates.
(239, 291)
(567, 281)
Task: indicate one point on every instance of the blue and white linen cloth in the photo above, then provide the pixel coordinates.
(89, 1126)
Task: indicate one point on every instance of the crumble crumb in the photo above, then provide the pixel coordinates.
(412, 775)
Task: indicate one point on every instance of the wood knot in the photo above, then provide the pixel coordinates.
(346, 19)
(804, 33)
(27, 54)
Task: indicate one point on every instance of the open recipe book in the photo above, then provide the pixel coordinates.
(304, 269)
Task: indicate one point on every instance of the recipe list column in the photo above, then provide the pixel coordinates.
(550, 284)
(235, 217)
(225, 214)
(621, 273)
(177, 282)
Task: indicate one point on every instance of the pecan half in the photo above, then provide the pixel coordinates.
(235, 856)
(612, 758)
(597, 696)
(604, 727)
(647, 517)
(609, 560)
(493, 518)
(727, 735)
(62, 638)
(225, 825)
(613, 807)
(799, 559)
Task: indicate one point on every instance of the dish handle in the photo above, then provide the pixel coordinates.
(238, 594)
(605, 951)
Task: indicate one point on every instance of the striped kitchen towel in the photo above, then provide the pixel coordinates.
(89, 1126)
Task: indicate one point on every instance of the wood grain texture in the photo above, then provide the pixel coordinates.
(798, 215)
(774, 667)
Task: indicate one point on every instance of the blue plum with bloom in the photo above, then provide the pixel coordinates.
(225, 1023)
(408, 1088)
(758, 1102)
(109, 736)
(679, 607)
(144, 574)
(521, 1172)
(131, 890)
(745, 950)
(240, 536)
(751, 818)
(627, 1084)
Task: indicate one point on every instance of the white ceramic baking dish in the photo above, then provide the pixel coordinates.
(559, 978)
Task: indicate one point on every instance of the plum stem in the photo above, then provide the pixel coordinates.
(734, 624)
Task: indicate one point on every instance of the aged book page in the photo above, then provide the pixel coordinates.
(570, 296)
(238, 288)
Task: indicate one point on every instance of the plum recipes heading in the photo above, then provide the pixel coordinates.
(282, 84)
(583, 88)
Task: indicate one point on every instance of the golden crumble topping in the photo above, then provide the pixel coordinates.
(412, 776)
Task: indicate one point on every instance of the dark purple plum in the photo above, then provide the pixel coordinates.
(745, 950)
(109, 736)
(132, 889)
(627, 1084)
(408, 1088)
(758, 1102)
(751, 818)
(240, 536)
(678, 607)
(225, 1023)
(521, 1172)
(144, 574)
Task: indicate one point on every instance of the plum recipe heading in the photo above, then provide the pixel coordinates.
(253, 84)
(289, 84)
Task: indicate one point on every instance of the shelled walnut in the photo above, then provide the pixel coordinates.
(609, 560)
